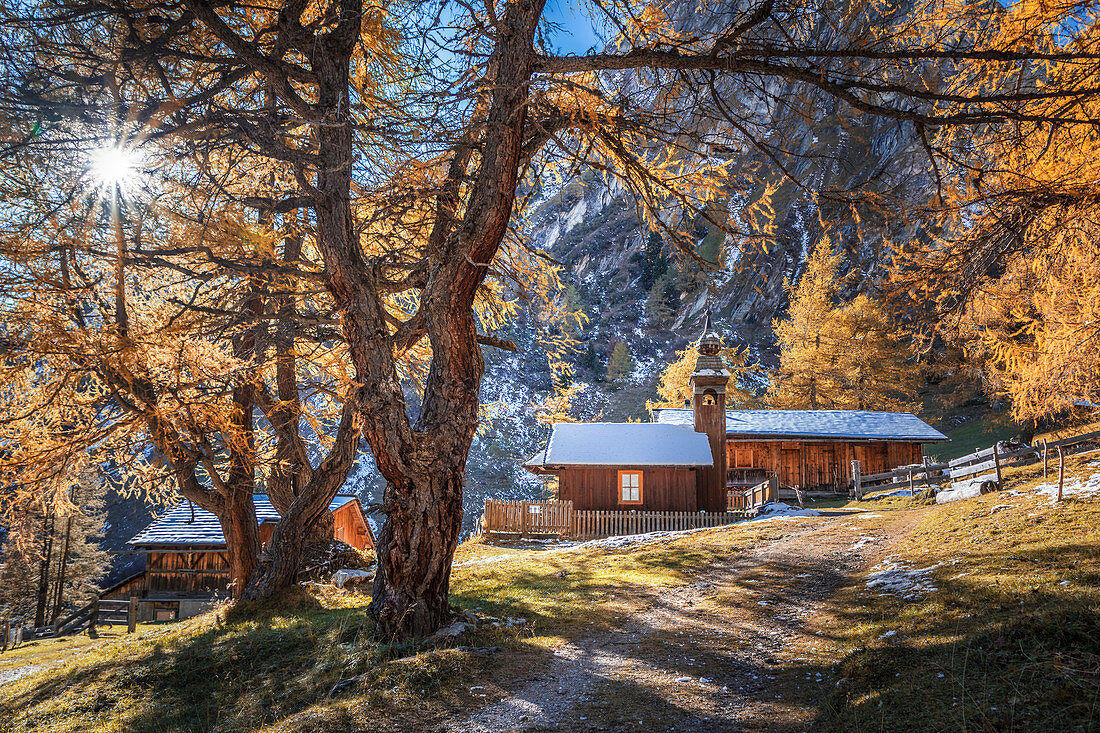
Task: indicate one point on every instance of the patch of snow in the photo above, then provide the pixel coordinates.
(1075, 486)
(487, 560)
(893, 575)
(645, 539)
(779, 510)
(887, 495)
(863, 542)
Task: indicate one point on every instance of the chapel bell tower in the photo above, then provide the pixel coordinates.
(708, 387)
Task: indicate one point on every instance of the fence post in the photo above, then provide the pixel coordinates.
(911, 491)
(7, 633)
(93, 618)
(1044, 458)
(523, 519)
(1061, 472)
(857, 489)
(131, 616)
(997, 463)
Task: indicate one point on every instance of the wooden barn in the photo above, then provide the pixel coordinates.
(814, 449)
(659, 466)
(186, 563)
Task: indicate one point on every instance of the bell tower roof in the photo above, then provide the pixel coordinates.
(710, 344)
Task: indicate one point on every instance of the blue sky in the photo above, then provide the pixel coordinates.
(576, 31)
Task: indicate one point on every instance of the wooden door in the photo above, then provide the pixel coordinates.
(789, 473)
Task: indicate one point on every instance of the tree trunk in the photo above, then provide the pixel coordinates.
(44, 568)
(426, 474)
(415, 549)
(242, 539)
(59, 584)
(282, 558)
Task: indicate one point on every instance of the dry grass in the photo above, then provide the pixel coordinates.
(1010, 640)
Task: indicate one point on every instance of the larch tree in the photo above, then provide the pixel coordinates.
(834, 355)
(409, 188)
(879, 363)
(810, 375)
(620, 364)
(51, 559)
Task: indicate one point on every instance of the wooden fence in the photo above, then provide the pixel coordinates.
(742, 500)
(528, 517)
(903, 477)
(558, 518)
(994, 458)
(590, 525)
(97, 613)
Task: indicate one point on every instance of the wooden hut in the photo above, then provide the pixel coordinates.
(623, 466)
(186, 562)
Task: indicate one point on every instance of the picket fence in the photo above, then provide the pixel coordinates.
(558, 518)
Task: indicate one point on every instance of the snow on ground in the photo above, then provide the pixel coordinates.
(893, 575)
(648, 538)
(11, 675)
(773, 511)
(779, 510)
(863, 542)
(1073, 486)
(887, 495)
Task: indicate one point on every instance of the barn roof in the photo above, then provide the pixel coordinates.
(176, 528)
(622, 444)
(820, 424)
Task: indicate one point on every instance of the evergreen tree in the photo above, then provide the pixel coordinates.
(592, 361)
(620, 365)
(653, 264)
(662, 299)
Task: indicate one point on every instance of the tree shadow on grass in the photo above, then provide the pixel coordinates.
(257, 665)
(1018, 655)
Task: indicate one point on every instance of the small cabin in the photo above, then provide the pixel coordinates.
(186, 564)
(616, 466)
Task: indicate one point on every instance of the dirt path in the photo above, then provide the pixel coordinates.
(718, 654)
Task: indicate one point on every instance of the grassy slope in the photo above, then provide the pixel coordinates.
(1009, 641)
(975, 435)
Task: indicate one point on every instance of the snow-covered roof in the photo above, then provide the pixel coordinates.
(829, 424)
(623, 444)
(177, 528)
